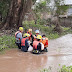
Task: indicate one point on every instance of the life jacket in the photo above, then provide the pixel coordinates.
(44, 41)
(23, 41)
(16, 33)
(35, 43)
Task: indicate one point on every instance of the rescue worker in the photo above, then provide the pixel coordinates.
(37, 33)
(45, 42)
(34, 36)
(18, 36)
(37, 45)
(30, 32)
(24, 42)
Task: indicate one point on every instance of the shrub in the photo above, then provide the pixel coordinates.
(64, 68)
(7, 42)
(45, 29)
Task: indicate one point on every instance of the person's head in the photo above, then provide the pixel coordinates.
(21, 29)
(26, 35)
(30, 30)
(43, 37)
(37, 32)
(39, 37)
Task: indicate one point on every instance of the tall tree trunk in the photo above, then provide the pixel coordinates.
(16, 13)
(0, 17)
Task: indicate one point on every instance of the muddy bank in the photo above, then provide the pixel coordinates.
(60, 52)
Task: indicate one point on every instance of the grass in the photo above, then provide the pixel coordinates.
(7, 42)
(66, 30)
(64, 68)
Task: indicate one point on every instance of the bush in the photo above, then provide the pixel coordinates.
(45, 29)
(7, 42)
(53, 35)
(64, 68)
(66, 30)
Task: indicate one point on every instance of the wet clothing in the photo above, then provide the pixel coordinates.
(45, 50)
(36, 45)
(24, 45)
(19, 45)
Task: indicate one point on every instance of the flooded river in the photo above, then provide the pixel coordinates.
(60, 52)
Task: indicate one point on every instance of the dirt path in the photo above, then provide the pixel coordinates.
(60, 52)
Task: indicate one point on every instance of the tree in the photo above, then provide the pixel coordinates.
(16, 12)
(60, 10)
(4, 5)
(41, 8)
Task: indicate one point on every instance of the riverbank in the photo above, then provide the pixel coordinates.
(60, 52)
(7, 38)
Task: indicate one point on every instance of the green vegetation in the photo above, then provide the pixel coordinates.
(4, 6)
(64, 68)
(7, 42)
(66, 30)
(45, 29)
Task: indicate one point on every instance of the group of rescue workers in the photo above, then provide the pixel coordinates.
(37, 42)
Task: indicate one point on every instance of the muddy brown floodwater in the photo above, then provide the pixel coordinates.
(60, 52)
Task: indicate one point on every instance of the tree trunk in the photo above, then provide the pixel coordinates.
(58, 26)
(0, 17)
(16, 13)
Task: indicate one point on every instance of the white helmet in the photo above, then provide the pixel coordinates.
(37, 31)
